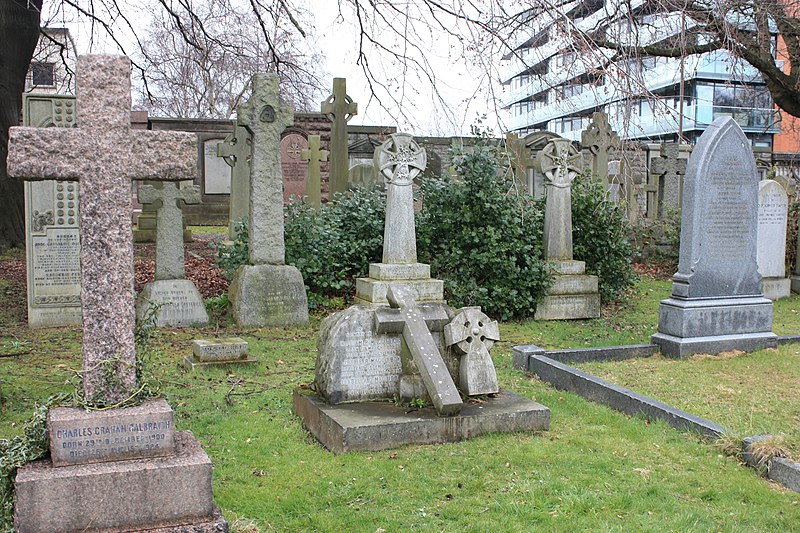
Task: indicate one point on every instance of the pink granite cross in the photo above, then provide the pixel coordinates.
(104, 155)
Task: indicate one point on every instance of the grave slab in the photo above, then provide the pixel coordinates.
(371, 426)
(181, 303)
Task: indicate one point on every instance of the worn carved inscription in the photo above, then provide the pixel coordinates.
(726, 235)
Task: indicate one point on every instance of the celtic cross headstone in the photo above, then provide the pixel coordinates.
(599, 138)
(237, 150)
(558, 161)
(314, 156)
(667, 173)
(340, 108)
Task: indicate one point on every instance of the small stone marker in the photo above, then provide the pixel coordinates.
(179, 484)
(473, 334)
(237, 151)
(340, 108)
(716, 303)
(314, 156)
(599, 138)
(293, 168)
(773, 208)
(221, 351)
(424, 352)
(79, 437)
(573, 294)
(181, 303)
(666, 185)
(267, 292)
(399, 160)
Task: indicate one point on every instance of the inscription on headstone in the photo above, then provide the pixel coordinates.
(773, 207)
(295, 170)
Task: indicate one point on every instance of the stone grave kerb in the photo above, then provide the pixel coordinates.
(558, 161)
(237, 150)
(399, 161)
(599, 138)
(340, 108)
(314, 156)
(112, 155)
(265, 118)
(166, 197)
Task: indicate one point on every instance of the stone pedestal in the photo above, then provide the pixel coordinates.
(572, 295)
(776, 288)
(181, 303)
(268, 295)
(372, 290)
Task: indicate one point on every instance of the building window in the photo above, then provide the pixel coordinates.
(43, 74)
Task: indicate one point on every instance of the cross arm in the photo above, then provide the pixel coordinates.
(47, 153)
(161, 156)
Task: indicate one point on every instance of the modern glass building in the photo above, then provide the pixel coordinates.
(553, 83)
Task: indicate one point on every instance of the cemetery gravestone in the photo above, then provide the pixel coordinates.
(178, 482)
(52, 234)
(400, 347)
(178, 302)
(215, 352)
(665, 188)
(716, 303)
(573, 294)
(217, 172)
(340, 108)
(314, 156)
(267, 292)
(773, 208)
(237, 151)
(599, 138)
(294, 169)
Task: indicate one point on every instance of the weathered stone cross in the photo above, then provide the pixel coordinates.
(169, 229)
(340, 108)
(599, 138)
(558, 162)
(236, 150)
(400, 160)
(314, 156)
(266, 123)
(668, 167)
(407, 316)
(111, 155)
(520, 157)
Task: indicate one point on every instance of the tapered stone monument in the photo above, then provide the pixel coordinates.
(178, 302)
(573, 294)
(267, 292)
(119, 469)
(716, 303)
(405, 343)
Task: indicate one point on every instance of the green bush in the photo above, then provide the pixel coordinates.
(232, 256)
(599, 237)
(483, 237)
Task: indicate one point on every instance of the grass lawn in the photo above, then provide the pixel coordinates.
(595, 470)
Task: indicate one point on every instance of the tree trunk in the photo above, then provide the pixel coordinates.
(19, 33)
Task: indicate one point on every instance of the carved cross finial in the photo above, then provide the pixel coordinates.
(340, 108)
(599, 138)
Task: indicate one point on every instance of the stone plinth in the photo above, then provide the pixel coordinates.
(372, 290)
(168, 493)
(216, 352)
(776, 288)
(573, 294)
(181, 303)
(382, 425)
(268, 295)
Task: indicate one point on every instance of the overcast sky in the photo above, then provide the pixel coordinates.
(455, 78)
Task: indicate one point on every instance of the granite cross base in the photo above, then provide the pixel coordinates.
(371, 426)
(714, 325)
(268, 295)
(181, 303)
(573, 294)
(372, 290)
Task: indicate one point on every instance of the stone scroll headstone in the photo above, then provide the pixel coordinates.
(52, 234)
(773, 212)
(179, 302)
(314, 156)
(716, 302)
(137, 446)
(573, 294)
(340, 108)
(599, 138)
(267, 292)
(294, 169)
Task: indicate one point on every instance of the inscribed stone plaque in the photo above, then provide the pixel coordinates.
(52, 237)
(225, 349)
(216, 172)
(78, 436)
(773, 204)
(295, 170)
